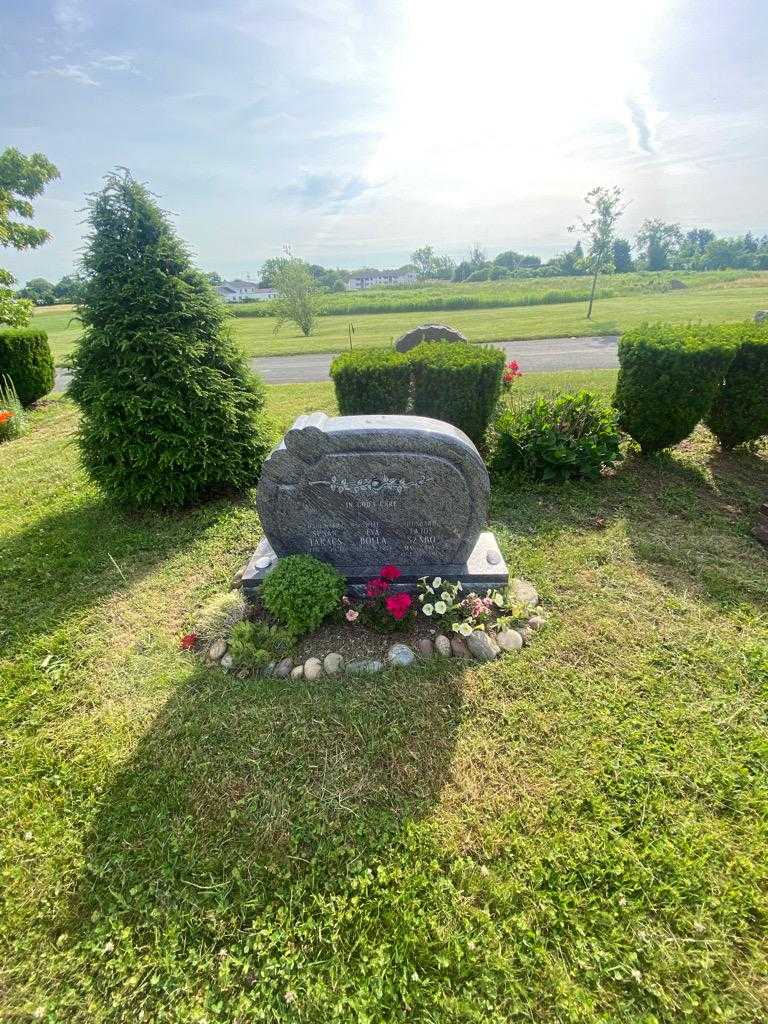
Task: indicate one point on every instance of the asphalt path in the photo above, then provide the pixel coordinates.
(594, 353)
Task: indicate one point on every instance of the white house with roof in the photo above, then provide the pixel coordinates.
(380, 279)
(244, 291)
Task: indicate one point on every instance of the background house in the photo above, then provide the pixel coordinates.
(379, 279)
(244, 291)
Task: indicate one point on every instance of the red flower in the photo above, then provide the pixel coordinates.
(188, 641)
(377, 587)
(390, 572)
(511, 370)
(6, 415)
(398, 605)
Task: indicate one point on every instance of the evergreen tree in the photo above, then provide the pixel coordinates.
(170, 411)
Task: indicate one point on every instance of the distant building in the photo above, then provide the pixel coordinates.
(380, 279)
(244, 291)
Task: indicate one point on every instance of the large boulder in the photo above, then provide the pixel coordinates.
(427, 332)
(761, 316)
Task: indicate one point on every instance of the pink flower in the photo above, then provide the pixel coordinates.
(377, 587)
(351, 615)
(390, 572)
(398, 605)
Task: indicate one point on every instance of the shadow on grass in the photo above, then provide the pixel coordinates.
(68, 561)
(688, 515)
(246, 794)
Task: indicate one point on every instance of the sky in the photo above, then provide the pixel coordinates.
(356, 131)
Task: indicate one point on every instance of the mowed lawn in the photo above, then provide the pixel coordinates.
(711, 302)
(575, 834)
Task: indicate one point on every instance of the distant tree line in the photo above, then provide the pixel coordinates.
(658, 245)
(42, 292)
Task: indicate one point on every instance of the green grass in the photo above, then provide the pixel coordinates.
(577, 834)
(716, 298)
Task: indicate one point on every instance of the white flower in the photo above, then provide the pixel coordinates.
(445, 595)
(455, 627)
(465, 629)
(421, 597)
(437, 581)
(427, 609)
(441, 607)
(498, 599)
(459, 586)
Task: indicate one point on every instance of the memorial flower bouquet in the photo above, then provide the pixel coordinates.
(382, 608)
(446, 603)
(13, 421)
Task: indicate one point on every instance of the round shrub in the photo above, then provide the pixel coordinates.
(25, 358)
(301, 591)
(554, 438)
(171, 412)
(739, 411)
(457, 383)
(375, 381)
(668, 376)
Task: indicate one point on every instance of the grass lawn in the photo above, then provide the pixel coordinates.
(713, 300)
(575, 834)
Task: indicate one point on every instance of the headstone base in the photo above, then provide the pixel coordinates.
(485, 569)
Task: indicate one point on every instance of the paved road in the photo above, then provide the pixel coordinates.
(543, 354)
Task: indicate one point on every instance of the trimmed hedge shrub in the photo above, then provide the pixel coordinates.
(301, 591)
(739, 412)
(668, 378)
(26, 358)
(171, 412)
(457, 383)
(371, 382)
(554, 438)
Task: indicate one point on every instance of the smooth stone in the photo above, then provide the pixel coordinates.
(313, 669)
(227, 662)
(524, 592)
(425, 647)
(237, 580)
(365, 666)
(283, 668)
(270, 668)
(298, 672)
(263, 563)
(483, 648)
(427, 332)
(443, 646)
(527, 634)
(493, 557)
(332, 663)
(217, 650)
(536, 622)
(400, 654)
(459, 648)
(509, 640)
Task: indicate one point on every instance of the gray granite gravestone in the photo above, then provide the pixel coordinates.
(427, 332)
(362, 492)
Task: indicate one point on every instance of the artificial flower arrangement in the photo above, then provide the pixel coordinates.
(440, 599)
(382, 608)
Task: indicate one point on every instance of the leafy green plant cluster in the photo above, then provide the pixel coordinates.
(25, 358)
(668, 378)
(13, 419)
(301, 591)
(555, 437)
(454, 382)
(170, 411)
(739, 411)
(254, 644)
(371, 381)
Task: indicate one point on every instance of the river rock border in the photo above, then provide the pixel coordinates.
(480, 645)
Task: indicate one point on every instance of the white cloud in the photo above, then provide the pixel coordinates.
(82, 72)
(71, 15)
(75, 72)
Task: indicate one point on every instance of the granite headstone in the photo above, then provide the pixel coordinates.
(427, 332)
(365, 491)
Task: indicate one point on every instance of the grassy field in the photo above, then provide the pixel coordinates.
(576, 835)
(715, 298)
